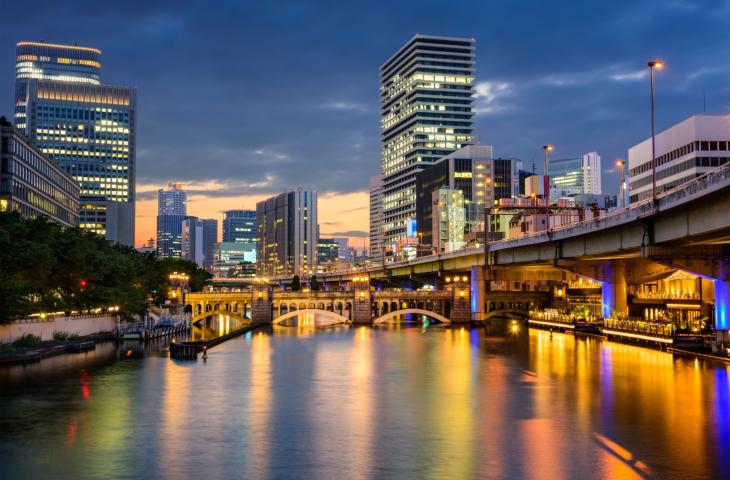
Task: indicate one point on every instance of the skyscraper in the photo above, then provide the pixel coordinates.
(87, 128)
(198, 240)
(286, 233)
(171, 211)
(427, 96)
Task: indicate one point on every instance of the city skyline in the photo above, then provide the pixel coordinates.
(597, 91)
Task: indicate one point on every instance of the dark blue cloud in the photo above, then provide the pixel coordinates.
(261, 96)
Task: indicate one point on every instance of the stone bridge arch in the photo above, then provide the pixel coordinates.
(396, 313)
(508, 313)
(339, 319)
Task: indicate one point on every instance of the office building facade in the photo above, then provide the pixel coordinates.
(470, 170)
(575, 176)
(327, 251)
(427, 97)
(683, 152)
(32, 184)
(286, 234)
(171, 211)
(198, 241)
(86, 127)
(229, 255)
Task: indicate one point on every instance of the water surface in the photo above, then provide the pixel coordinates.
(361, 402)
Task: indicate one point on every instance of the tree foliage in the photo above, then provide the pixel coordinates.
(314, 283)
(47, 268)
(296, 284)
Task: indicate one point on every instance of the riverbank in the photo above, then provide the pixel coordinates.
(51, 348)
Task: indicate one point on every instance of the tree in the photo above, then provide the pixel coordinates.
(295, 284)
(314, 283)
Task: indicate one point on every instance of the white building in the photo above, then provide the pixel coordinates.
(683, 152)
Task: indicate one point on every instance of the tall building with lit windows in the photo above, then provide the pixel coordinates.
(286, 234)
(427, 95)
(86, 127)
(172, 209)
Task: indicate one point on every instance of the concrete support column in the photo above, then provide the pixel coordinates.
(477, 291)
(613, 288)
(722, 305)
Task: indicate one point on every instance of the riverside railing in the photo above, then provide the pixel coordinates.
(664, 330)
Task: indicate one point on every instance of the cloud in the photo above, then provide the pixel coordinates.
(348, 106)
(348, 233)
(630, 76)
(490, 95)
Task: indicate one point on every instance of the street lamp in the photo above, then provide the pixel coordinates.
(652, 65)
(546, 148)
(621, 163)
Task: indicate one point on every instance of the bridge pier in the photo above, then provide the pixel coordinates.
(261, 305)
(461, 304)
(613, 288)
(362, 312)
(478, 294)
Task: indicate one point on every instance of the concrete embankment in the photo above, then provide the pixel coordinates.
(52, 348)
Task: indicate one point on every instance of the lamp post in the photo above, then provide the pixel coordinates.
(621, 163)
(652, 65)
(546, 148)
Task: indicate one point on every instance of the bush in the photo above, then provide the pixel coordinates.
(6, 348)
(27, 340)
(61, 336)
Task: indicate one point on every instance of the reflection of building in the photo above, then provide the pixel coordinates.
(573, 176)
(376, 216)
(171, 211)
(426, 92)
(87, 128)
(469, 170)
(286, 233)
(32, 184)
(449, 219)
(327, 251)
(198, 240)
(683, 152)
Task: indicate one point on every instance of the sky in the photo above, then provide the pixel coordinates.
(241, 100)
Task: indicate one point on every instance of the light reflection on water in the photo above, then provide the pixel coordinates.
(357, 402)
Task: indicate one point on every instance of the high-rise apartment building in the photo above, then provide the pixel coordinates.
(683, 152)
(31, 183)
(427, 96)
(87, 128)
(575, 176)
(376, 217)
(198, 241)
(171, 211)
(286, 233)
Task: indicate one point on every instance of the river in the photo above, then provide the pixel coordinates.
(361, 402)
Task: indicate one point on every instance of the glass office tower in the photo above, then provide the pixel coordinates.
(87, 128)
(171, 211)
(427, 96)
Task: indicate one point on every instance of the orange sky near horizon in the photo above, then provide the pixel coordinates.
(337, 212)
